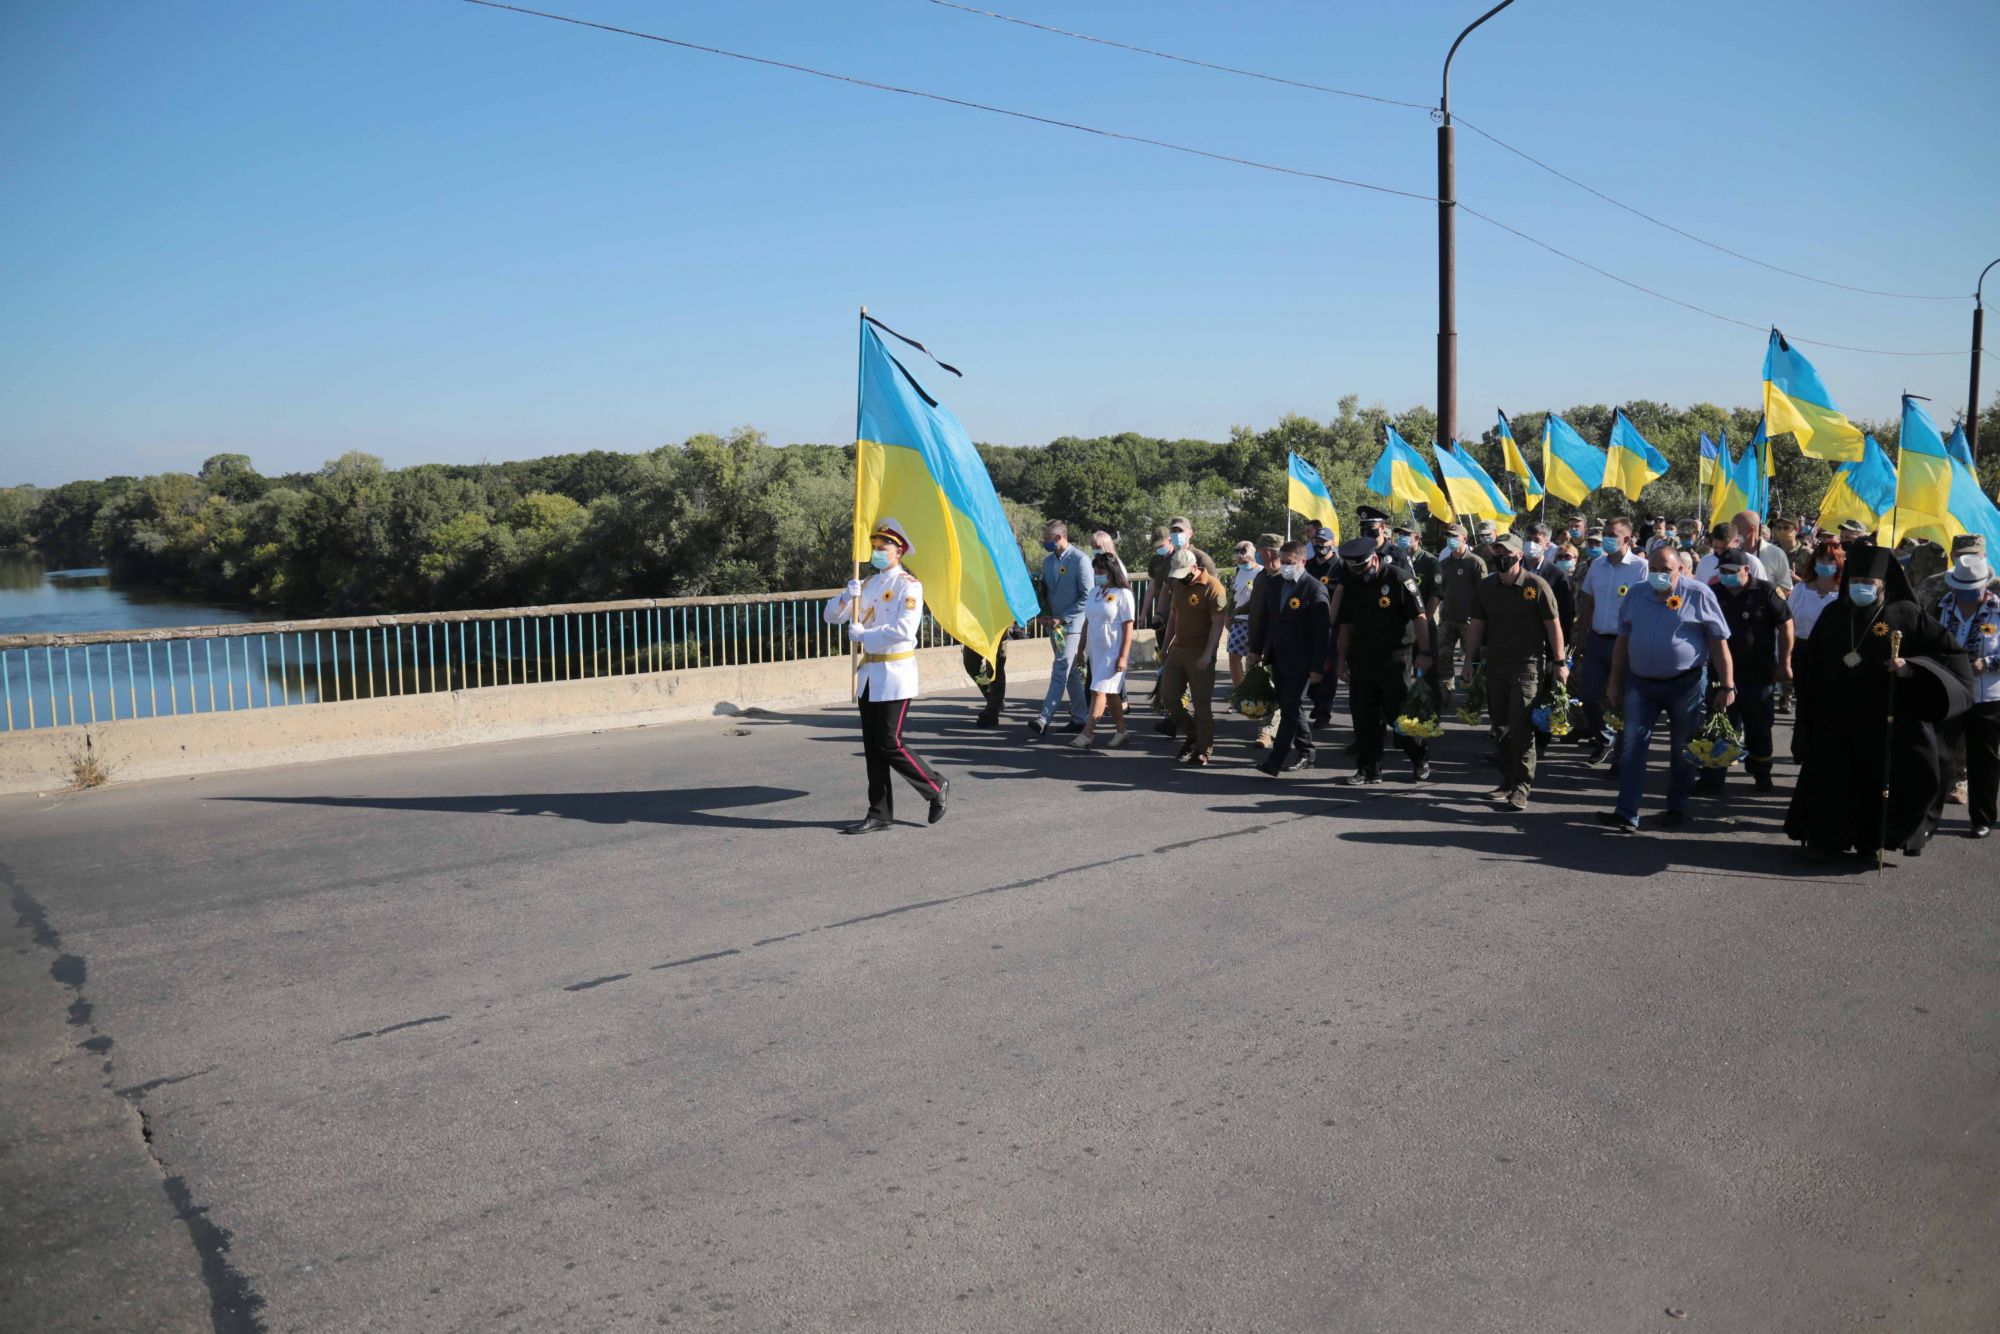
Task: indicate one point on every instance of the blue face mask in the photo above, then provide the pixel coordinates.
(1660, 580)
(879, 559)
(1179, 539)
(1593, 547)
(1532, 551)
(1101, 580)
(1731, 579)
(1863, 595)
(1565, 565)
(1451, 545)
(1163, 551)
(1402, 544)
(1824, 570)
(1048, 544)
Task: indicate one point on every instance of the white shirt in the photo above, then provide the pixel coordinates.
(1705, 570)
(1807, 603)
(1778, 564)
(1245, 576)
(888, 612)
(1607, 581)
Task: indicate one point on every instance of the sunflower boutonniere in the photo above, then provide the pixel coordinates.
(1673, 602)
(1528, 592)
(1293, 604)
(1881, 628)
(1382, 601)
(1989, 628)
(1623, 589)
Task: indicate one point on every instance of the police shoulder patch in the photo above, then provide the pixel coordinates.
(910, 604)
(1410, 584)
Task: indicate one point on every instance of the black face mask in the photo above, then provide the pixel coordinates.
(1357, 567)
(1504, 561)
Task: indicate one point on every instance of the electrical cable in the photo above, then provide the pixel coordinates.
(956, 101)
(1178, 148)
(1456, 120)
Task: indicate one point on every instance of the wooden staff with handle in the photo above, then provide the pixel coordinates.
(854, 604)
(1888, 746)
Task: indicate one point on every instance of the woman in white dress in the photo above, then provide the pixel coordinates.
(1108, 621)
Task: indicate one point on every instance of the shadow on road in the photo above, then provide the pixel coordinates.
(701, 806)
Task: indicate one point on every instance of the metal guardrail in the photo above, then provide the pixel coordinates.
(59, 680)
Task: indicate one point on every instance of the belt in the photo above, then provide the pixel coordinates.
(904, 656)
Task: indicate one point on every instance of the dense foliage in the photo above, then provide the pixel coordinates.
(734, 515)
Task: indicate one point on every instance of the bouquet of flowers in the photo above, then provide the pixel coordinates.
(1258, 694)
(1556, 716)
(1473, 711)
(1719, 745)
(1419, 719)
(1187, 699)
(1614, 719)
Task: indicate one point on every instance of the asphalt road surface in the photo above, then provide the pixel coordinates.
(615, 1032)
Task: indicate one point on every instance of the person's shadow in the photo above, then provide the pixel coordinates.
(696, 806)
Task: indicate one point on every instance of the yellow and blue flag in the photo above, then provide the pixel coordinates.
(1923, 482)
(1515, 462)
(1468, 487)
(1572, 466)
(1308, 494)
(1738, 480)
(1632, 464)
(1955, 497)
(1764, 468)
(1795, 400)
(1862, 491)
(1708, 461)
(1957, 445)
(913, 461)
(1402, 474)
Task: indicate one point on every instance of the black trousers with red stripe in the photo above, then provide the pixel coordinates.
(882, 743)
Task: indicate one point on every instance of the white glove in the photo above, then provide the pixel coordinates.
(853, 589)
(855, 631)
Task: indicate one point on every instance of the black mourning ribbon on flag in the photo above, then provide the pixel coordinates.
(915, 344)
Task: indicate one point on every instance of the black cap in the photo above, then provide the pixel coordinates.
(1368, 513)
(1732, 560)
(1358, 548)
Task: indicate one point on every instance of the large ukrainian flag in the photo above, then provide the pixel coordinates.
(915, 463)
(1307, 494)
(1862, 491)
(1633, 463)
(1572, 465)
(1795, 400)
(1708, 460)
(1515, 462)
(1402, 474)
(1468, 486)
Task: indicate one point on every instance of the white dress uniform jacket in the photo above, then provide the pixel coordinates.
(887, 612)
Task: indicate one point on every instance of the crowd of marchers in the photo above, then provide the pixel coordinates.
(1601, 637)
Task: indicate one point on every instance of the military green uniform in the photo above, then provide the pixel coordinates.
(1514, 639)
(1382, 609)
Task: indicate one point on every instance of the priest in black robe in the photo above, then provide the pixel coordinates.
(1848, 750)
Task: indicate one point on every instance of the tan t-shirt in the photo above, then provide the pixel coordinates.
(1198, 600)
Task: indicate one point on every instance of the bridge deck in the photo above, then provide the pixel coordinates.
(612, 1031)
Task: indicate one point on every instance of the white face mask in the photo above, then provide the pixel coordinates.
(1290, 573)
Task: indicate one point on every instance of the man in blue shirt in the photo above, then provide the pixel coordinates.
(1610, 577)
(1668, 629)
(1066, 584)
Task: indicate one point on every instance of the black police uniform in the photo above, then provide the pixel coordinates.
(1328, 573)
(1383, 609)
(1297, 641)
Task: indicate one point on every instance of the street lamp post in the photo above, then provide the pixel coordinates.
(1447, 350)
(1972, 394)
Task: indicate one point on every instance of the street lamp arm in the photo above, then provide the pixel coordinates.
(1979, 292)
(1444, 96)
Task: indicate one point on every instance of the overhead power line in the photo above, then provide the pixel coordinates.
(1457, 120)
(1184, 60)
(1162, 143)
(957, 101)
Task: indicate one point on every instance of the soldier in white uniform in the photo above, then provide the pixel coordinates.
(882, 616)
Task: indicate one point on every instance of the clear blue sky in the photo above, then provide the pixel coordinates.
(438, 232)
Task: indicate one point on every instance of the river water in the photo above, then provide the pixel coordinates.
(35, 599)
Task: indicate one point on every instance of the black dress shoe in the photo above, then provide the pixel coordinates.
(938, 801)
(1673, 819)
(986, 720)
(1979, 831)
(1267, 768)
(1617, 823)
(872, 825)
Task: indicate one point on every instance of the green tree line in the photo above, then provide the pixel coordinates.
(721, 515)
